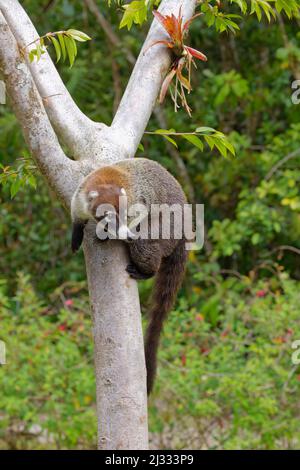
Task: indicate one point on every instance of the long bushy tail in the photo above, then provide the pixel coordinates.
(167, 282)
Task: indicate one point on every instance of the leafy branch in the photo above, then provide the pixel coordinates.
(18, 176)
(64, 43)
(268, 7)
(136, 12)
(213, 138)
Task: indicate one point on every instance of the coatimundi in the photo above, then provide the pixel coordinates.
(147, 182)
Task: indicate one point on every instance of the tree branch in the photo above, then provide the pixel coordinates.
(62, 173)
(72, 126)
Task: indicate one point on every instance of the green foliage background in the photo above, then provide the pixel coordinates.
(226, 379)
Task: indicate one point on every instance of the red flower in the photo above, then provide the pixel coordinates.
(62, 327)
(261, 293)
(69, 303)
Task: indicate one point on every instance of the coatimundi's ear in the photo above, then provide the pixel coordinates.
(77, 235)
(92, 195)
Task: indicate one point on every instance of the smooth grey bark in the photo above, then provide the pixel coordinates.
(45, 120)
(119, 361)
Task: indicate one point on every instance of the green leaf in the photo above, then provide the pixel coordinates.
(135, 12)
(169, 139)
(164, 131)
(32, 55)
(38, 52)
(62, 46)
(205, 130)
(210, 141)
(228, 145)
(15, 187)
(78, 35)
(242, 5)
(71, 50)
(57, 48)
(32, 181)
(75, 47)
(221, 147)
(255, 239)
(222, 95)
(193, 139)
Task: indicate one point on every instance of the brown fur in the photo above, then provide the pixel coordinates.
(107, 175)
(108, 194)
(167, 282)
(147, 182)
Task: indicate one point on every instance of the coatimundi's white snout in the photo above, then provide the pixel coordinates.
(110, 226)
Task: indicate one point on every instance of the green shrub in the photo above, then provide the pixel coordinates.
(225, 373)
(47, 386)
(226, 377)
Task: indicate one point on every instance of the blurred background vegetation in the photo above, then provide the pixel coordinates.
(226, 379)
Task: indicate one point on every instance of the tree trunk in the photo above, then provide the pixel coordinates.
(119, 351)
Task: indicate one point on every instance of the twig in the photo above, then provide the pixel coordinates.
(231, 271)
(48, 35)
(281, 162)
(286, 248)
(49, 5)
